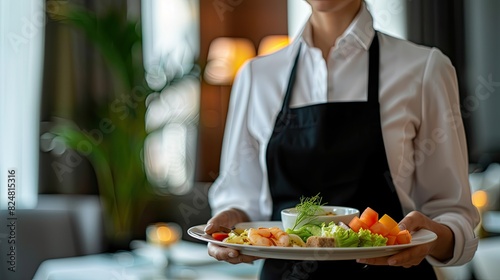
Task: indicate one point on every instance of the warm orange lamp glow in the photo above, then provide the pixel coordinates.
(272, 43)
(225, 56)
(163, 234)
(480, 199)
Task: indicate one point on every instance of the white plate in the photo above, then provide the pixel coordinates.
(301, 253)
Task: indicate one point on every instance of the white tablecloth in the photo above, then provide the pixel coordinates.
(486, 262)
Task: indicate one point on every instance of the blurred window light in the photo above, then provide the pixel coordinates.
(225, 56)
(298, 14)
(169, 158)
(171, 47)
(389, 16)
(178, 103)
(170, 39)
(272, 43)
(22, 25)
(171, 121)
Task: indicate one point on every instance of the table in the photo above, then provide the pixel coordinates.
(486, 261)
(188, 260)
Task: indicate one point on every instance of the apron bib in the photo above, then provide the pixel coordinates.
(335, 149)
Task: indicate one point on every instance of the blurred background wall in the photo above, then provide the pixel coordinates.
(77, 81)
(75, 77)
(464, 30)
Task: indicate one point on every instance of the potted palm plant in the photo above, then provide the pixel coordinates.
(114, 146)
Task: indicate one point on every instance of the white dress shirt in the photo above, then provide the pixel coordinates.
(420, 116)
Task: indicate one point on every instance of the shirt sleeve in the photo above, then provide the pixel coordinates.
(239, 182)
(442, 189)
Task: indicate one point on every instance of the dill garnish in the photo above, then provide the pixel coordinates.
(307, 209)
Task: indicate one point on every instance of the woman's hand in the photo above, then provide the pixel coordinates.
(441, 248)
(227, 219)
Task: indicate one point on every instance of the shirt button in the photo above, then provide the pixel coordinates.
(342, 42)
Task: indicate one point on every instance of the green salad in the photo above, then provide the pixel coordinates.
(343, 236)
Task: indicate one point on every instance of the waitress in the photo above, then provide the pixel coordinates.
(363, 118)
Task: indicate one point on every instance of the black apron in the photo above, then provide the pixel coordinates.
(335, 149)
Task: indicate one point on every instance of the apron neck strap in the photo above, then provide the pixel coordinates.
(373, 74)
(373, 69)
(291, 80)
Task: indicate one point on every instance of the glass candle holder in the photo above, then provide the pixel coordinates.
(164, 235)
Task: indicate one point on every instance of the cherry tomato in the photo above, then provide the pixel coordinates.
(219, 236)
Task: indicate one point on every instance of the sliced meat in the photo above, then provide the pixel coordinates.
(319, 241)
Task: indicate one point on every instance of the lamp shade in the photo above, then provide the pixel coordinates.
(225, 57)
(272, 43)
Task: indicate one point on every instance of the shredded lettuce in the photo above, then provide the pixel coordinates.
(343, 237)
(369, 239)
(306, 231)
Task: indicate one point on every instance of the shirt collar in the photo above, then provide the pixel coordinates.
(358, 34)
